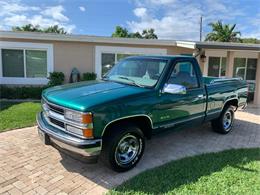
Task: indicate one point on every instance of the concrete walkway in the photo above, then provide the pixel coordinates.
(27, 166)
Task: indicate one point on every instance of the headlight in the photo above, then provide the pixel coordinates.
(85, 118)
(88, 133)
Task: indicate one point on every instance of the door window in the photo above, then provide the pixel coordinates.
(184, 74)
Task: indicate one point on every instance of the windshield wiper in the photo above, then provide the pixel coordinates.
(105, 78)
(132, 81)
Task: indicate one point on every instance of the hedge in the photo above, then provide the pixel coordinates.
(25, 92)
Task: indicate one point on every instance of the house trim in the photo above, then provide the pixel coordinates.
(29, 46)
(84, 38)
(123, 50)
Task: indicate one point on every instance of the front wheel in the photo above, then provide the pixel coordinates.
(123, 147)
(224, 123)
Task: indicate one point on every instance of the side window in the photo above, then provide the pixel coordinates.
(184, 74)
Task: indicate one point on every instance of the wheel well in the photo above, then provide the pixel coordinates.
(143, 122)
(233, 102)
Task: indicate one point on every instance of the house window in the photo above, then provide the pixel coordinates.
(217, 66)
(13, 63)
(245, 68)
(108, 60)
(36, 63)
(24, 63)
(107, 56)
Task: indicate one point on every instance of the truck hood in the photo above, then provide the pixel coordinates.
(84, 95)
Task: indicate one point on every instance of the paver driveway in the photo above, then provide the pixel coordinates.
(27, 166)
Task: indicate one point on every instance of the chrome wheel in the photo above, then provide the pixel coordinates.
(127, 149)
(227, 120)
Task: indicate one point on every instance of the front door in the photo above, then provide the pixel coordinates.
(180, 108)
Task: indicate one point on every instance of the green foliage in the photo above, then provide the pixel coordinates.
(228, 172)
(25, 92)
(15, 115)
(120, 32)
(149, 34)
(89, 76)
(37, 28)
(123, 32)
(250, 40)
(27, 27)
(56, 78)
(223, 33)
(135, 35)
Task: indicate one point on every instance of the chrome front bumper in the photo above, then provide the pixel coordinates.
(83, 148)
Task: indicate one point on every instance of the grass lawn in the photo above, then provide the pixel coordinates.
(228, 172)
(15, 115)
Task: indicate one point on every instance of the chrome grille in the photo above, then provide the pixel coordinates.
(56, 122)
(55, 117)
(55, 109)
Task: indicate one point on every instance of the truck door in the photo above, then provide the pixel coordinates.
(183, 107)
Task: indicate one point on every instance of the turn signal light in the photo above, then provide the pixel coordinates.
(87, 118)
(88, 133)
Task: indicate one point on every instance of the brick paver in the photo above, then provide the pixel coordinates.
(29, 167)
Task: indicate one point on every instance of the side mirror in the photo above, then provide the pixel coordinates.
(174, 89)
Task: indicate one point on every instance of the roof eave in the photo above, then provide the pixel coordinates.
(228, 47)
(84, 38)
(218, 45)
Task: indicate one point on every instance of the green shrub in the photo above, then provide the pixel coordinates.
(18, 92)
(55, 78)
(88, 76)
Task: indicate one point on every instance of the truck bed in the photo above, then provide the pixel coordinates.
(213, 80)
(221, 89)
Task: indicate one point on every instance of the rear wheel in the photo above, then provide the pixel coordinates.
(123, 147)
(224, 123)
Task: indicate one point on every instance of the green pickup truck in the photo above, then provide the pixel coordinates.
(140, 96)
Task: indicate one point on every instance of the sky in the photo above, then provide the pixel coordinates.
(171, 19)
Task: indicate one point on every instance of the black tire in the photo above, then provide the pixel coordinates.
(119, 139)
(224, 123)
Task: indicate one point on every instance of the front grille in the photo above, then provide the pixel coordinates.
(56, 122)
(56, 109)
(55, 117)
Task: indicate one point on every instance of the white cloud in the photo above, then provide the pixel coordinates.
(82, 8)
(15, 13)
(255, 33)
(56, 13)
(140, 12)
(9, 8)
(175, 19)
(154, 2)
(162, 2)
(175, 24)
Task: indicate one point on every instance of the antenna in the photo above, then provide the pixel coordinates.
(201, 28)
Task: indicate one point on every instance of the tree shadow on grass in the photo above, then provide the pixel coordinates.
(7, 104)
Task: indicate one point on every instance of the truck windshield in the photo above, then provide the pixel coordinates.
(139, 72)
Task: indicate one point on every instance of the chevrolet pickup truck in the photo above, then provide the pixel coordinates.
(140, 96)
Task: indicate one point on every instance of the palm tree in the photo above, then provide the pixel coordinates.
(223, 33)
(55, 29)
